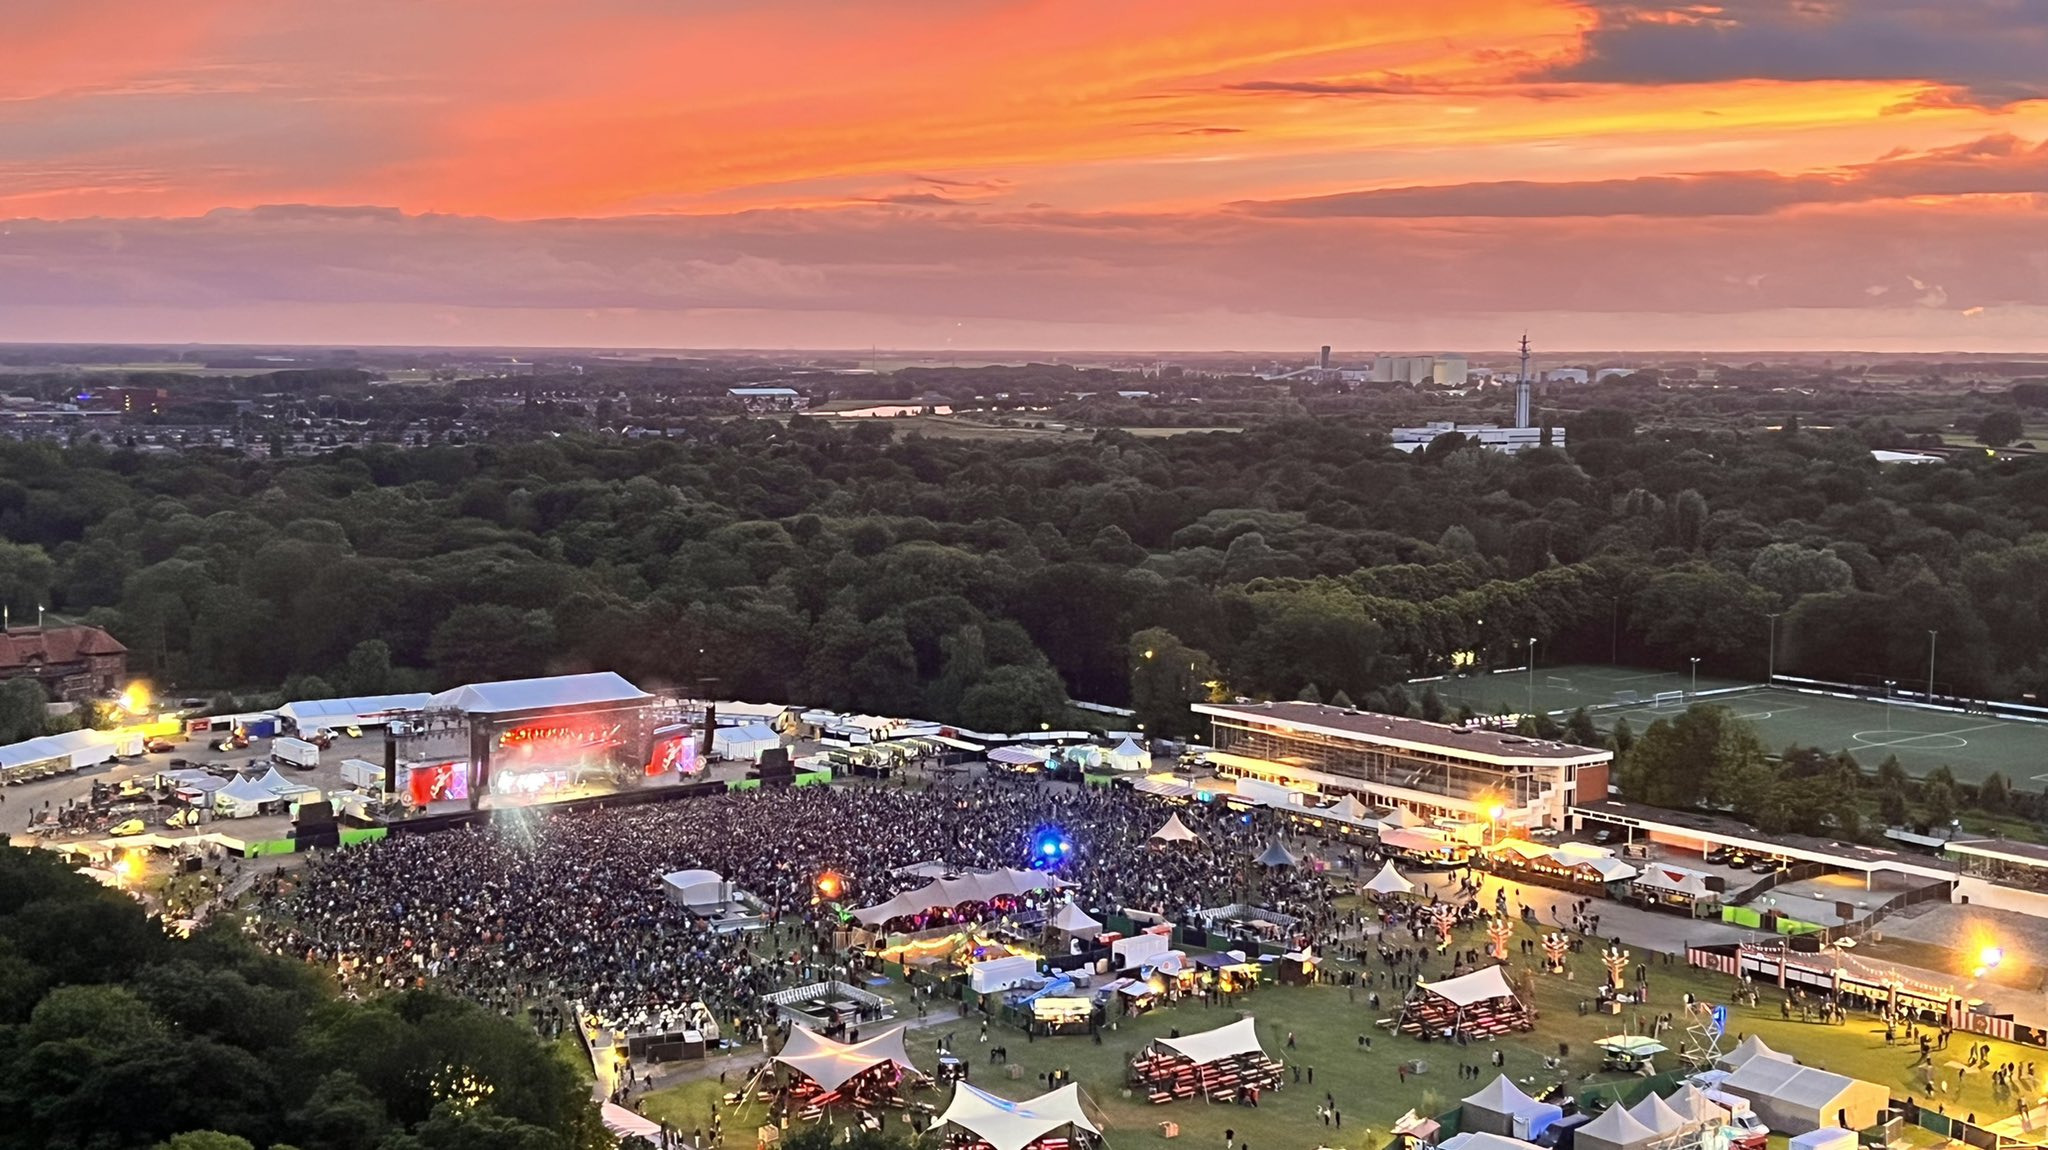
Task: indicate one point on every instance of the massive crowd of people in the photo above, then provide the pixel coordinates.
(570, 906)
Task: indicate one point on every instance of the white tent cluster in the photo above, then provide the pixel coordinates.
(1503, 1108)
(947, 893)
(1072, 920)
(1794, 1097)
(832, 1064)
(1007, 1125)
(1175, 831)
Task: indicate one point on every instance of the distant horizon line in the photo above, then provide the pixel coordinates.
(927, 353)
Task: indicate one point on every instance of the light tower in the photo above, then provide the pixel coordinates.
(1522, 387)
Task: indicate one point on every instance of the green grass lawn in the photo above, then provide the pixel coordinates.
(1326, 1023)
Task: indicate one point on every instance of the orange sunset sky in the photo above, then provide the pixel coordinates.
(1057, 174)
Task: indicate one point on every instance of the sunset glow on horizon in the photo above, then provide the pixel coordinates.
(1182, 174)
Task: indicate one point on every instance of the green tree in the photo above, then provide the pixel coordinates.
(1579, 729)
(367, 670)
(1704, 754)
(1891, 806)
(1938, 801)
(1432, 705)
(2000, 428)
(205, 1140)
(24, 710)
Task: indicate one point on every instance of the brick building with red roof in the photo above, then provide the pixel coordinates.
(72, 663)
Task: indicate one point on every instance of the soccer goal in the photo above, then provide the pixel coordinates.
(1558, 682)
(1669, 699)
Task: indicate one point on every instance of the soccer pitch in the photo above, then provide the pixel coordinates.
(1970, 746)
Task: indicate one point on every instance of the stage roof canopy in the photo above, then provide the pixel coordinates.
(1478, 986)
(603, 687)
(1239, 1037)
(830, 1063)
(1008, 1125)
(947, 893)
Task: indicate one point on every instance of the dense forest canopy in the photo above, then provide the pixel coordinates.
(113, 1034)
(986, 581)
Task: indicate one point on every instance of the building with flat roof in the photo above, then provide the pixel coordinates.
(1512, 440)
(1432, 769)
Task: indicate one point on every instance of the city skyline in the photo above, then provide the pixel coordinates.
(1764, 175)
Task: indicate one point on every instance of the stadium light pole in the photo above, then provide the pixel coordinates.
(1695, 676)
(1888, 685)
(1931, 637)
(1532, 675)
(1771, 660)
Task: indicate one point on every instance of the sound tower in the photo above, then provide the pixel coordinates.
(390, 762)
(710, 730)
(775, 768)
(314, 826)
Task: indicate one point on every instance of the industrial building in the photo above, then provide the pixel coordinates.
(1430, 769)
(1512, 440)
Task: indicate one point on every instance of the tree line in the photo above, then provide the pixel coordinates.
(986, 582)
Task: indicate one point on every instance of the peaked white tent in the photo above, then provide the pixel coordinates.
(1348, 809)
(1658, 1115)
(830, 1064)
(1278, 855)
(1240, 1037)
(1019, 756)
(1129, 756)
(1401, 817)
(1745, 1050)
(1501, 1107)
(1007, 1125)
(1794, 1097)
(241, 798)
(1696, 1108)
(1071, 919)
(1390, 881)
(1615, 1129)
(1175, 831)
(623, 1123)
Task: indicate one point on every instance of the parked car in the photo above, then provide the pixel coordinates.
(1736, 859)
(1717, 856)
(1766, 866)
(122, 830)
(189, 817)
(352, 731)
(1543, 832)
(1603, 836)
(159, 746)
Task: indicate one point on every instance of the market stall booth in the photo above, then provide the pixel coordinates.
(1277, 856)
(1677, 889)
(1476, 1005)
(1071, 923)
(1221, 1065)
(1049, 1122)
(1659, 1116)
(1425, 847)
(1502, 1108)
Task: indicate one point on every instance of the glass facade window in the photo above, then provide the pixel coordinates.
(1372, 764)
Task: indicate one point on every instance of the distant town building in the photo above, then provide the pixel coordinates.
(891, 411)
(127, 400)
(1512, 440)
(1449, 371)
(1883, 456)
(767, 398)
(72, 663)
(1606, 373)
(1566, 375)
(1417, 369)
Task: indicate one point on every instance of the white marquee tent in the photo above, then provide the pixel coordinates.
(539, 694)
(1795, 1099)
(1614, 1129)
(830, 1064)
(1481, 1002)
(242, 798)
(947, 893)
(623, 1124)
(1072, 920)
(1175, 831)
(744, 742)
(1129, 756)
(282, 787)
(1007, 1125)
(1390, 881)
(1501, 1107)
(1658, 1115)
(1240, 1037)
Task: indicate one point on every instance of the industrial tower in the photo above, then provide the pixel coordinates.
(1522, 387)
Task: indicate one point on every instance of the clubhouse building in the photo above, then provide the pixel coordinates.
(1433, 770)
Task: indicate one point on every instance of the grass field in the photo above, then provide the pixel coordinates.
(1326, 1022)
(1971, 746)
